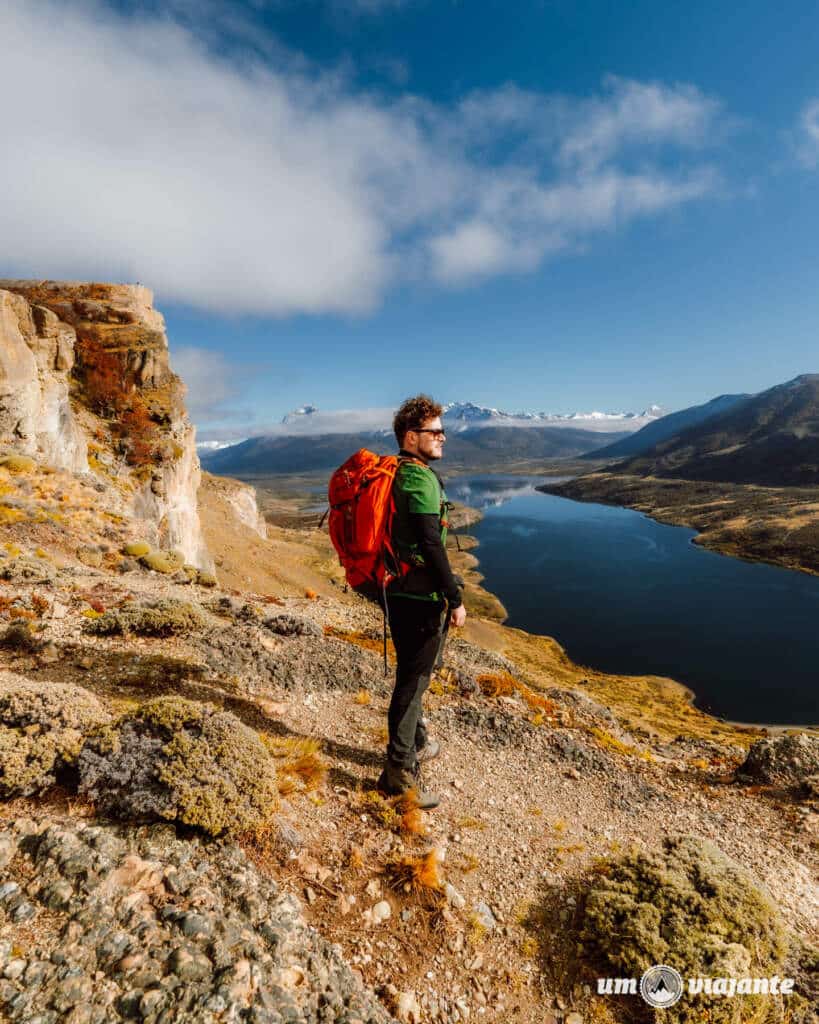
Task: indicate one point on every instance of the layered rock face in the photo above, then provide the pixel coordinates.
(36, 357)
(48, 329)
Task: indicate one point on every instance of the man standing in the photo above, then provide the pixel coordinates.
(416, 600)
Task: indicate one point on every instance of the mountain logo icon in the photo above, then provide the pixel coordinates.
(661, 986)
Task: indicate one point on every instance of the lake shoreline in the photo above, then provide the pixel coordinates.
(685, 691)
(768, 525)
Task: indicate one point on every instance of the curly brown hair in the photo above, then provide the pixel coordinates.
(413, 413)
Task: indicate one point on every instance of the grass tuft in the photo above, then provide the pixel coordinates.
(301, 762)
(503, 684)
(419, 877)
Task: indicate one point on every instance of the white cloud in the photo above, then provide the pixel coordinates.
(210, 378)
(807, 137)
(268, 186)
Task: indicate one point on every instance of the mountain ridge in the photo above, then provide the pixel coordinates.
(769, 439)
(665, 427)
(476, 448)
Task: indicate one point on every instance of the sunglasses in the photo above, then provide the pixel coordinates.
(440, 434)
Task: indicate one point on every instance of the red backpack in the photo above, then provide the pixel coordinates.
(361, 512)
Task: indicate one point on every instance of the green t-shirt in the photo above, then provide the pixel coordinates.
(416, 490)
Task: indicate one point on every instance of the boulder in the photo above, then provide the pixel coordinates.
(785, 760)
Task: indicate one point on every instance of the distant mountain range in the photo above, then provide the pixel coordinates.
(467, 415)
(308, 439)
(473, 449)
(309, 419)
(770, 439)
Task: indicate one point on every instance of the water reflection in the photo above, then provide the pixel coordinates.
(491, 491)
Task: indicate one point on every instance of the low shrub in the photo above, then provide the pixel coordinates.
(42, 728)
(167, 617)
(18, 463)
(90, 556)
(292, 625)
(136, 549)
(163, 561)
(178, 760)
(26, 569)
(688, 906)
(18, 637)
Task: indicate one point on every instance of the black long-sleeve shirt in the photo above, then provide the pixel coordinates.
(428, 531)
(419, 534)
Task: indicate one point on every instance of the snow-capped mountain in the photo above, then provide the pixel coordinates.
(215, 446)
(459, 418)
(298, 415)
(466, 415)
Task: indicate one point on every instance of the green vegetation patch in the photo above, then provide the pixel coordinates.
(137, 549)
(163, 561)
(167, 617)
(688, 906)
(42, 728)
(178, 760)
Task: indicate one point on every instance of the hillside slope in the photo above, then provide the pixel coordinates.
(771, 439)
(665, 428)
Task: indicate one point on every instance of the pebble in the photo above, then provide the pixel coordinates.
(14, 969)
(484, 915)
(407, 1009)
(453, 896)
(381, 911)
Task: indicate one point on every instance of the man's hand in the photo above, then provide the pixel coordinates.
(458, 616)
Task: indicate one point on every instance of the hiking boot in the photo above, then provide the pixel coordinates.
(396, 781)
(432, 748)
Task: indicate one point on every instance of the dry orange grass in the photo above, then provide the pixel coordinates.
(363, 697)
(301, 759)
(419, 877)
(411, 822)
(398, 813)
(355, 858)
(368, 643)
(502, 684)
(260, 845)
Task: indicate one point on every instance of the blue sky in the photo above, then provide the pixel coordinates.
(538, 205)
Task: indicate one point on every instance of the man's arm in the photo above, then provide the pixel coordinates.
(427, 528)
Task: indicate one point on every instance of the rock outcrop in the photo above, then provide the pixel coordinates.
(36, 357)
(786, 760)
(239, 500)
(243, 500)
(50, 333)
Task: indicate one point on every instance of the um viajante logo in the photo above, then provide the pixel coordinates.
(662, 986)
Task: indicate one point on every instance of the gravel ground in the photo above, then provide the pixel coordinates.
(101, 923)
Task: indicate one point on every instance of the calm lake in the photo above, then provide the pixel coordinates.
(625, 594)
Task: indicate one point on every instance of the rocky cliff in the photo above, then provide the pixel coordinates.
(36, 358)
(84, 369)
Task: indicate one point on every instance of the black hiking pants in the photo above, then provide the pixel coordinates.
(416, 633)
